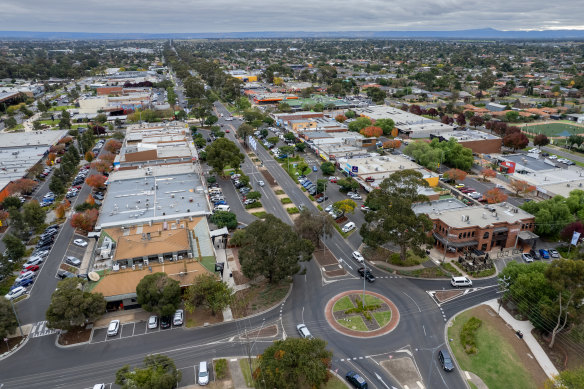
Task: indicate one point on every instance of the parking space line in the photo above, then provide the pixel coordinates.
(134, 329)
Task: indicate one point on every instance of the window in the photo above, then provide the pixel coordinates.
(459, 236)
(486, 235)
(484, 247)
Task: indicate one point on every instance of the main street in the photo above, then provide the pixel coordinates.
(419, 334)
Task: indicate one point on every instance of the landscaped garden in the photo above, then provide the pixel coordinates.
(350, 312)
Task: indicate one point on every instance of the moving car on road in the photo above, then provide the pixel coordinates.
(348, 227)
(356, 380)
(303, 331)
(445, 360)
(367, 274)
(357, 255)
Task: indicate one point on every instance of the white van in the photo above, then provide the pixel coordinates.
(203, 377)
(460, 281)
(215, 191)
(222, 207)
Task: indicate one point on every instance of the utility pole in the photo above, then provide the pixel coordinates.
(446, 246)
(16, 316)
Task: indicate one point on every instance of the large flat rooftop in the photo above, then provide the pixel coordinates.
(437, 206)
(417, 126)
(525, 162)
(133, 196)
(481, 216)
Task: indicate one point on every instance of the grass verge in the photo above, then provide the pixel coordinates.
(244, 365)
(260, 215)
(353, 323)
(343, 304)
(335, 383)
(382, 317)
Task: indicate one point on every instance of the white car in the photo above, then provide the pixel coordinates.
(348, 227)
(261, 183)
(80, 242)
(534, 151)
(303, 331)
(329, 208)
(358, 256)
(16, 292)
(24, 276)
(553, 157)
(153, 322)
(356, 197)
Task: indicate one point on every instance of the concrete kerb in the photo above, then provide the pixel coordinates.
(15, 349)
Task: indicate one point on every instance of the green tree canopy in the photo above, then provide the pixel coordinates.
(207, 291)
(34, 214)
(159, 294)
(551, 215)
(14, 246)
(159, 372)
(358, 124)
(8, 321)
(272, 248)
(294, 363)
(224, 219)
(347, 184)
(386, 125)
(222, 153)
(392, 218)
(72, 307)
(328, 168)
(313, 226)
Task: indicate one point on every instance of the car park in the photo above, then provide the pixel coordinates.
(553, 157)
(365, 208)
(333, 179)
(356, 380)
(113, 328)
(544, 254)
(527, 257)
(249, 201)
(30, 268)
(62, 274)
(322, 199)
(177, 320)
(356, 197)
(554, 253)
(367, 274)
(534, 254)
(348, 227)
(80, 242)
(73, 261)
(303, 331)
(445, 360)
(328, 208)
(33, 261)
(15, 293)
(23, 283)
(358, 256)
(153, 322)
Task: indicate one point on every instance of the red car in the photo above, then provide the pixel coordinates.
(30, 268)
(467, 190)
(227, 131)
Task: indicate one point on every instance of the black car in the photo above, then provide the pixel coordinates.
(165, 321)
(62, 274)
(356, 380)
(46, 246)
(445, 360)
(97, 196)
(367, 273)
(322, 199)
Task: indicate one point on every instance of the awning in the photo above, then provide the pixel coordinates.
(500, 229)
(455, 244)
(527, 235)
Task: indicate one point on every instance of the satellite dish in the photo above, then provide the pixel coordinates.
(93, 276)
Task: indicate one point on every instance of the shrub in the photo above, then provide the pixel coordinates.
(280, 192)
(292, 211)
(286, 200)
(256, 204)
(221, 369)
(468, 336)
(451, 269)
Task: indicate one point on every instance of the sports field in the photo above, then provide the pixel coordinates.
(553, 129)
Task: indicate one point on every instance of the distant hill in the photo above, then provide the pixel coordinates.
(486, 33)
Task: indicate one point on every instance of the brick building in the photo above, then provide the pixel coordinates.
(496, 226)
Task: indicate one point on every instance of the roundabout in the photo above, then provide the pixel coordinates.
(347, 314)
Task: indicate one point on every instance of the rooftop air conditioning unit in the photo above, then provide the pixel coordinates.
(174, 257)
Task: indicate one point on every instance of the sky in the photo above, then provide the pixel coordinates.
(190, 16)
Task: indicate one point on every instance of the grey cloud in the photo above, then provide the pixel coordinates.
(308, 15)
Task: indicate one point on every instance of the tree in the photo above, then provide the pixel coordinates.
(541, 140)
(521, 187)
(495, 195)
(321, 185)
(207, 291)
(512, 116)
(159, 372)
(244, 131)
(567, 279)
(348, 184)
(284, 107)
(11, 202)
(102, 166)
(294, 363)
(8, 321)
(328, 168)
(211, 119)
(15, 249)
(359, 124)
(57, 185)
(300, 147)
(372, 132)
(23, 186)
(287, 150)
(551, 215)
(488, 173)
(73, 307)
(253, 195)
(65, 121)
(302, 167)
(96, 180)
(341, 118)
(345, 206)
(34, 215)
(392, 144)
(392, 218)
(313, 226)
(85, 220)
(271, 248)
(113, 146)
(376, 94)
(387, 125)
(222, 153)
(159, 294)
(569, 230)
(455, 174)
(460, 120)
(10, 122)
(516, 140)
(224, 219)
(567, 379)
(89, 156)
(476, 121)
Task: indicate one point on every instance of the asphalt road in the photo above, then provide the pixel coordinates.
(419, 334)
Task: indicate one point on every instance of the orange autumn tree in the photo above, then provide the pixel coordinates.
(89, 156)
(85, 220)
(113, 146)
(455, 174)
(488, 173)
(392, 144)
(51, 159)
(495, 195)
(101, 166)
(372, 132)
(96, 180)
(340, 118)
(520, 186)
(22, 185)
(60, 211)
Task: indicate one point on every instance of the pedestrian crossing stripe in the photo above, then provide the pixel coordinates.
(40, 329)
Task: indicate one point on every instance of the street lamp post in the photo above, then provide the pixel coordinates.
(16, 316)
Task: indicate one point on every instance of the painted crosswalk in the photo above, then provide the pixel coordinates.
(41, 329)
